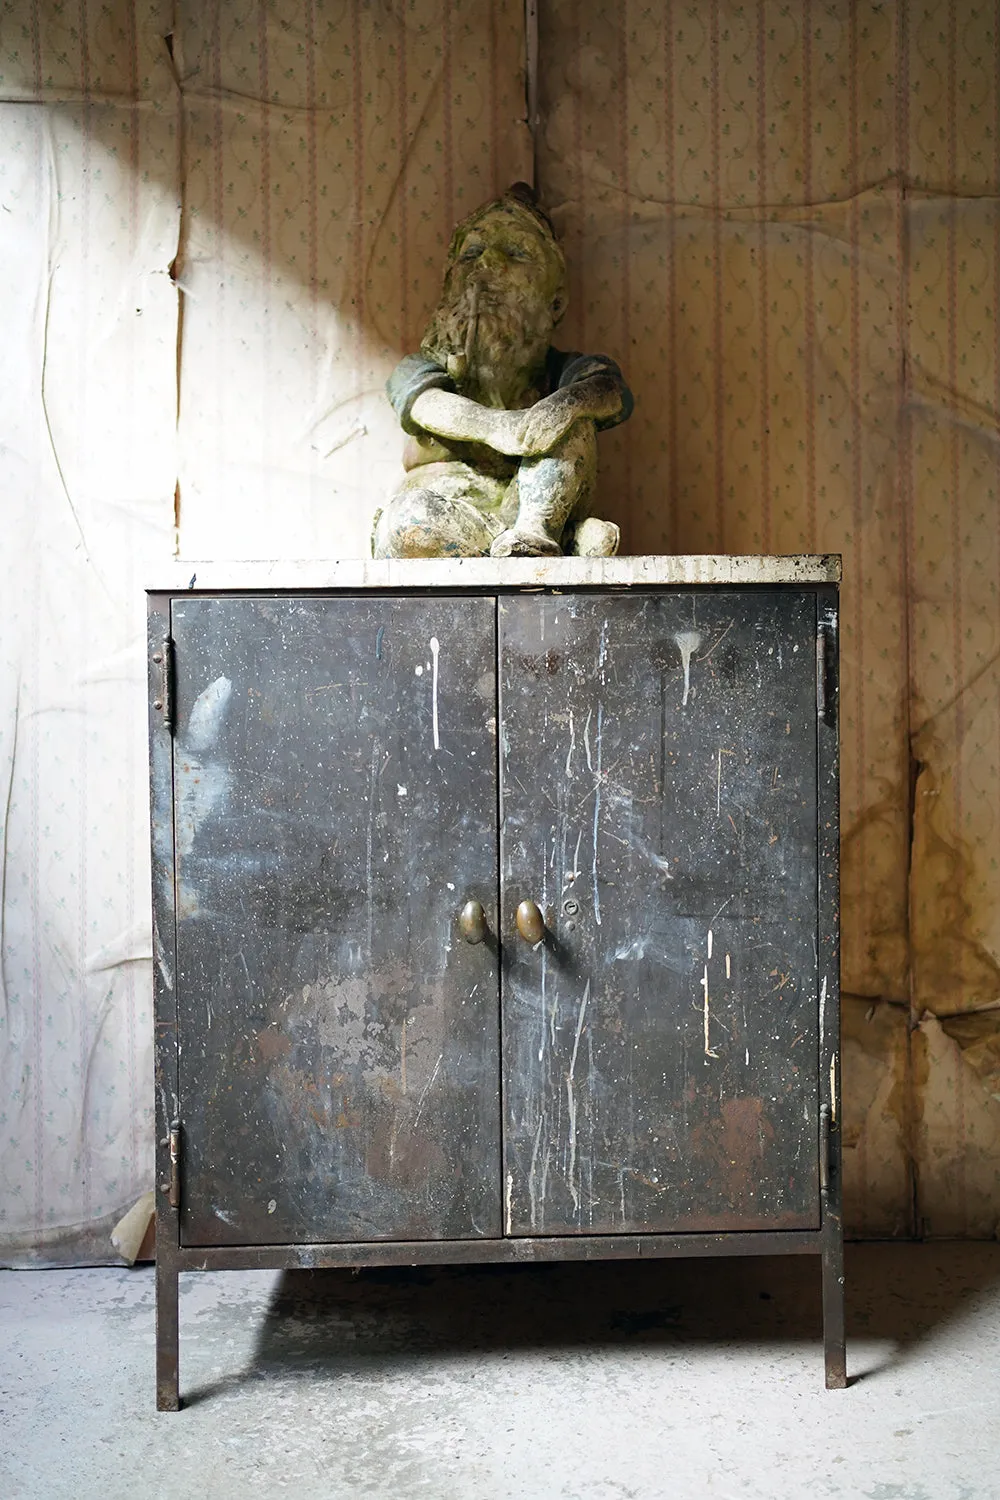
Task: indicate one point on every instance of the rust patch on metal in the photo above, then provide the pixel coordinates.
(537, 665)
(272, 1044)
(736, 1143)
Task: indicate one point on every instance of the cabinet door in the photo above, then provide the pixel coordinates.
(335, 806)
(658, 799)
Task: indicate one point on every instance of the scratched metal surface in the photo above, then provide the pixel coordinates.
(335, 791)
(658, 780)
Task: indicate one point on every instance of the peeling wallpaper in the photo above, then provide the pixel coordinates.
(89, 214)
(781, 219)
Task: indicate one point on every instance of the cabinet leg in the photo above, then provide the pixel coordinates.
(834, 1350)
(167, 1389)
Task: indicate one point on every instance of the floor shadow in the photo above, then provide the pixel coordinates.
(905, 1292)
(324, 1322)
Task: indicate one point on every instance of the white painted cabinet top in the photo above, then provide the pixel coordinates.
(480, 573)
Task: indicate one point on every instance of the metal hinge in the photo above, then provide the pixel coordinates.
(163, 657)
(174, 1180)
(825, 1148)
(826, 666)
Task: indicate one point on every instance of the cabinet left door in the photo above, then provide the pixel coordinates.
(335, 807)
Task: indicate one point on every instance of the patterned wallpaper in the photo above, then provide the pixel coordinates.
(779, 217)
(222, 226)
(329, 151)
(89, 213)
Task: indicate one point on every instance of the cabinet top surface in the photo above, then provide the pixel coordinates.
(484, 573)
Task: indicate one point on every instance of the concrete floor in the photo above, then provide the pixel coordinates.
(623, 1381)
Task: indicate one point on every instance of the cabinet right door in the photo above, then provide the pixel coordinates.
(659, 804)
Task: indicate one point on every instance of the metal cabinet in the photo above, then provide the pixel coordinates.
(496, 920)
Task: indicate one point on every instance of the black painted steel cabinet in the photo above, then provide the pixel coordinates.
(347, 788)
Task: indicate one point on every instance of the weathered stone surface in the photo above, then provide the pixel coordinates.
(502, 451)
(510, 572)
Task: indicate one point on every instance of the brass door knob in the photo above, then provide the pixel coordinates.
(530, 923)
(472, 922)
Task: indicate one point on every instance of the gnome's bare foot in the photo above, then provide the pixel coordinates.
(515, 543)
(592, 538)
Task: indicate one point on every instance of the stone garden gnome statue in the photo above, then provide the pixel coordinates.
(501, 450)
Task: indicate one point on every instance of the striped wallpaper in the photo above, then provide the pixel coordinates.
(89, 212)
(782, 219)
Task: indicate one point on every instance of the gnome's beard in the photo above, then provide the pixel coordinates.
(493, 348)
